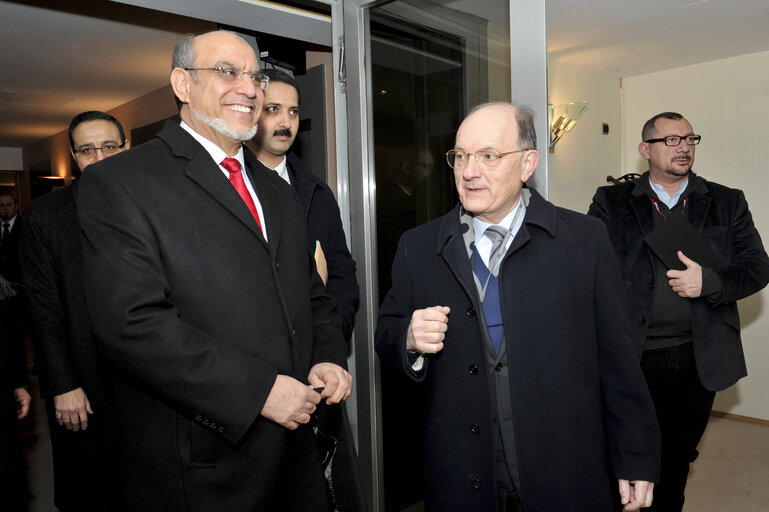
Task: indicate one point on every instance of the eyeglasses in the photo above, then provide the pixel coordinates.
(458, 158)
(233, 75)
(675, 140)
(106, 149)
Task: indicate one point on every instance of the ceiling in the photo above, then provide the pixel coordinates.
(61, 58)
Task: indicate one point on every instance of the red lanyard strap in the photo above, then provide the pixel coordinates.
(657, 206)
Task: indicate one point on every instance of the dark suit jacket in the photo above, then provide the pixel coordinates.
(13, 374)
(721, 216)
(324, 223)
(581, 409)
(10, 268)
(199, 314)
(67, 356)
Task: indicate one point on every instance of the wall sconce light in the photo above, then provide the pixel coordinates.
(562, 119)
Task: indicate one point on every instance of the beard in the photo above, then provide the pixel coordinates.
(677, 172)
(221, 126)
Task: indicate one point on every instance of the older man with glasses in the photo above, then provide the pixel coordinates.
(687, 249)
(508, 311)
(75, 382)
(206, 301)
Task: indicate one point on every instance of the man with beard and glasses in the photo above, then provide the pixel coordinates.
(204, 298)
(278, 125)
(683, 315)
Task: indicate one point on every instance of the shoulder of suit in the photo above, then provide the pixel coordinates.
(52, 201)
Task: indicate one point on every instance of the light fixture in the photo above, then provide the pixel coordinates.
(562, 119)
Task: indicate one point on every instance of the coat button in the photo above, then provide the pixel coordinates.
(473, 369)
(498, 367)
(643, 320)
(474, 428)
(471, 311)
(477, 483)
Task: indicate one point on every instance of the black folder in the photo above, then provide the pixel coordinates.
(677, 234)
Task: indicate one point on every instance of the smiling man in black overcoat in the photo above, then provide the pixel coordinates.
(204, 297)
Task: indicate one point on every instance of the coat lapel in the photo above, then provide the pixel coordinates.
(699, 204)
(451, 247)
(202, 169)
(268, 197)
(642, 208)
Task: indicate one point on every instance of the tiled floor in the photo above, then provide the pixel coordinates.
(730, 475)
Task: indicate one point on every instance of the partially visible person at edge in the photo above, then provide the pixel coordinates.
(14, 406)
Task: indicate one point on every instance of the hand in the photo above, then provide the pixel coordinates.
(335, 381)
(427, 329)
(23, 399)
(290, 403)
(686, 283)
(72, 409)
(320, 262)
(636, 494)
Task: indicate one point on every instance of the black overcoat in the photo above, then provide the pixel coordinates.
(324, 223)
(582, 414)
(66, 353)
(199, 314)
(721, 216)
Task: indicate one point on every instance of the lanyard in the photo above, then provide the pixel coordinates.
(657, 206)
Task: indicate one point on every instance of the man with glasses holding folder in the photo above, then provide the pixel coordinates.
(687, 249)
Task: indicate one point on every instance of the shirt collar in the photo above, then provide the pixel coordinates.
(215, 151)
(662, 195)
(281, 169)
(479, 226)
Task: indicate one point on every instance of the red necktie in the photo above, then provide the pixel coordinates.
(236, 178)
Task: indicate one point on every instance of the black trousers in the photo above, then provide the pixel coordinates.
(683, 408)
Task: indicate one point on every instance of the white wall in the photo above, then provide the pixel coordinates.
(727, 102)
(10, 159)
(583, 157)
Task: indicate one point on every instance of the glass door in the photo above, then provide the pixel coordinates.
(413, 69)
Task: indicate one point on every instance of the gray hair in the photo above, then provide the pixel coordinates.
(184, 57)
(524, 118)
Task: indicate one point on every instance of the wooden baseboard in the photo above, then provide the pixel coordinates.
(739, 417)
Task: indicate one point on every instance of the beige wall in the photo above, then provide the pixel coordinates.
(583, 157)
(726, 101)
(10, 159)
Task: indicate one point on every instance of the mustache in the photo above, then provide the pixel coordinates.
(283, 132)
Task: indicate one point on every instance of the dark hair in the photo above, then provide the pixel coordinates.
(93, 115)
(649, 126)
(524, 118)
(278, 75)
